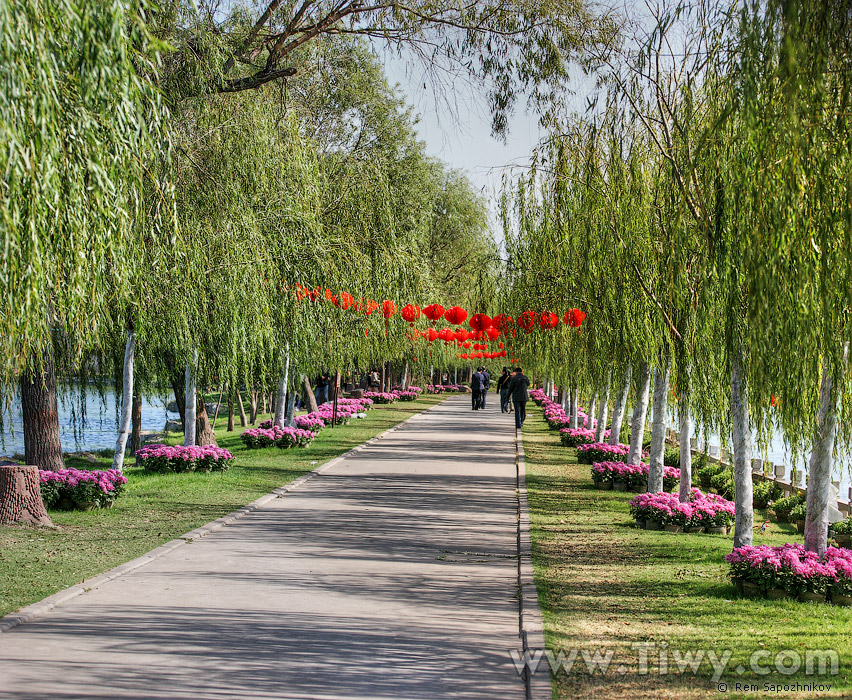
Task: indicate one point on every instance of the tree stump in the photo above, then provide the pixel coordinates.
(20, 496)
(357, 394)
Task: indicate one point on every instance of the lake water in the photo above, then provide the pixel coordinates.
(99, 430)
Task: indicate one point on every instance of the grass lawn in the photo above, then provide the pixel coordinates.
(156, 508)
(605, 585)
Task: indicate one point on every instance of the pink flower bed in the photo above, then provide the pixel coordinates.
(602, 452)
(280, 437)
(791, 568)
(380, 396)
(632, 475)
(77, 488)
(572, 437)
(702, 510)
(179, 458)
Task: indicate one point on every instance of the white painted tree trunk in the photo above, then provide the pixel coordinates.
(575, 407)
(743, 487)
(685, 452)
(602, 410)
(566, 399)
(821, 465)
(405, 378)
(640, 410)
(619, 406)
(658, 428)
(291, 402)
(189, 398)
(281, 397)
(590, 414)
(126, 401)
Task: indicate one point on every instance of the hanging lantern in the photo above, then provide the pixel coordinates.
(527, 320)
(500, 345)
(466, 346)
(446, 335)
(462, 334)
(433, 312)
(370, 307)
(410, 312)
(493, 333)
(479, 322)
(502, 322)
(548, 320)
(388, 308)
(433, 335)
(574, 318)
(346, 300)
(455, 315)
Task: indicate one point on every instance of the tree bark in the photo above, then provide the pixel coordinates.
(243, 419)
(310, 399)
(684, 438)
(619, 406)
(575, 407)
(281, 397)
(20, 496)
(218, 406)
(602, 411)
(205, 435)
(640, 410)
(253, 405)
(189, 426)
(42, 443)
(743, 487)
(126, 401)
(230, 408)
(405, 377)
(821, 465)
(136, 424)
(291, 403)
(658, 428)
(590, 414)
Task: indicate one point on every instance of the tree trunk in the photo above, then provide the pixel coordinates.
(821, 465)
(685, 436)
(405, 377)
(575, 407)
(178, 380)
(20, 496)
(42, 443)
(281, 397)
(590, 414)
(230, 408)
(384, 375)
(640, 410)
(253, 405)
(619, 407)
(658, 428)
(189, 426)
(310, 399)
(602, 410)
(743, 487)
(218, 406)
(291, 403)
(126, 402)
(136, 424)
(205, 435)
(243, 419)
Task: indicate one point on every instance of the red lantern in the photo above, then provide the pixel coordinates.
(500, 345)
(346, 300)
(388, 308)
(493, 333)
(433, 335)
(410, 312)
(370, 307)
(548, 320)
(455, 315)
(502, 322)
(462, 334)
(466, 346)
(480, 322)
(574, 318)
(433, 312)
(527, 320)
(446, 335)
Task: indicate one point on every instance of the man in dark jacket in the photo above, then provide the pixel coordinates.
(503, 390)
(476, 389)
(486, 385)
(519, 386)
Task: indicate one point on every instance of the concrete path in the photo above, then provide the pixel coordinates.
(391, 575)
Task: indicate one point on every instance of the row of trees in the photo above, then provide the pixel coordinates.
(701, 212)
(173, 171)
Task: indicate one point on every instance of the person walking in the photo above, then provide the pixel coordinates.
(486, 385)
(476, 389)
(519, 386)
(503, 390)
(321, 389)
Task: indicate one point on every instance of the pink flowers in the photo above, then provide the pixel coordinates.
(702, 510)
(180, 458)
(632, 475)
(280, 437)
(572, 437)
(70, 487)
(793, 569)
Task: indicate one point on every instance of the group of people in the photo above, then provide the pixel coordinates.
(513, 387)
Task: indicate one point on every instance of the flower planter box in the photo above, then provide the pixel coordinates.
(843, 600)
(619, 486)
(844, 540)
(695, 530)
(720, 530)
(673, 528)
(653, 525)
(605, 486)
(808, 596)
(779, 594)
(750, 590)
(800, 525)
(641, 523)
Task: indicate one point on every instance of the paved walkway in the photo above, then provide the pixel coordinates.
(391, 575)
